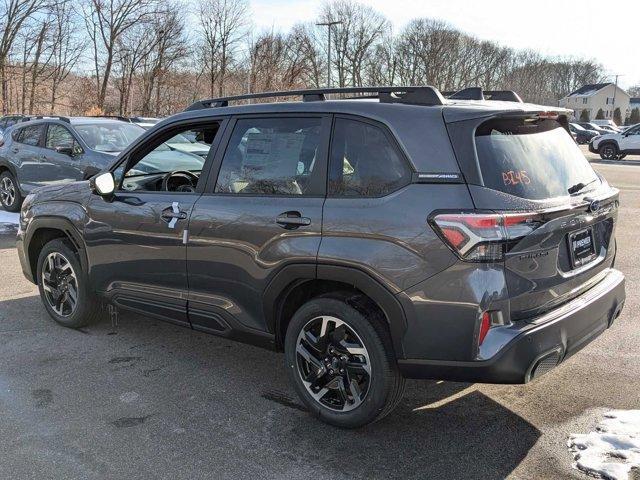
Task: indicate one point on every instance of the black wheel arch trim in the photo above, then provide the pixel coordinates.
(607, 142)
(292, 275)
(54, 223)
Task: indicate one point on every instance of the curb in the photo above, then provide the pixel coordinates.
(616, 162)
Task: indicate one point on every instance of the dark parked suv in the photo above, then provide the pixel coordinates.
(401, 235)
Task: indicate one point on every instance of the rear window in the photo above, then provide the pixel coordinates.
(531, 158)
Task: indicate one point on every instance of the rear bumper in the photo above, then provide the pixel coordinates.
(541, 344)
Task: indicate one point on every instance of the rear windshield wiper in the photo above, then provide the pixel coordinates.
(578, 187)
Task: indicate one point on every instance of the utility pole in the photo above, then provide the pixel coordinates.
(615, 90)
(329, 25)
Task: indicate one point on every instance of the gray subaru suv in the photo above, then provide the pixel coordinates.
(396, 233)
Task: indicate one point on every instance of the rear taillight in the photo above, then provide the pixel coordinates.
(485, 325)
(483, 237)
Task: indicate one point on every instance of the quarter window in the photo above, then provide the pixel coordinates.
(31, 135)
(270, 156)
(364, 163)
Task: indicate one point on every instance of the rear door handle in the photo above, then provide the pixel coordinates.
(290, 220)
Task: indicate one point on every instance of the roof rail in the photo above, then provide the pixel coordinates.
(477, 93)
(115, 117)
(418, 95)
(28, 118)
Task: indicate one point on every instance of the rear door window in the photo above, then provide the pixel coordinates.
(531, 158)
(271, 156)
(364, 162)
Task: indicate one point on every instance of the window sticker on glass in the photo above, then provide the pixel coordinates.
(268, 148)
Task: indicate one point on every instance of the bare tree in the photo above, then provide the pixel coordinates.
(67, 46)
(107, 21)
(167, 52)
(223, 26)
(13, 14)
(352, 41)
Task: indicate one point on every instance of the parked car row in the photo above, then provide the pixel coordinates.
(38, 151)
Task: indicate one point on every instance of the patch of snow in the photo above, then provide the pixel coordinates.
(613, 449)
(8, 221)
(9, 217)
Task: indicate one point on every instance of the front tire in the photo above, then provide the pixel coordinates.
(10, 196)
(341, 363)
(63, 286)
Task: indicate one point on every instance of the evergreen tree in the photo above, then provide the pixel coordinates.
(584, 116)
(617, 116)
(635, 116)
(600, 114)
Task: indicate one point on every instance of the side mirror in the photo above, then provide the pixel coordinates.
(65, 150)
(103, 184)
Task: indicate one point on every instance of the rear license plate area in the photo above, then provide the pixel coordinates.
(582, 247)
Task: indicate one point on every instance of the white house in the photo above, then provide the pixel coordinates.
(605, 96)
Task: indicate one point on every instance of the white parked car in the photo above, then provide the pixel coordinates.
(605, 122)
(616, 146)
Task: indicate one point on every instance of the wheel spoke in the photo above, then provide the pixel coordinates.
(324, 327)
(342, 390)
(358, 368)
(354, 390)
(73, 295)
(308, 356)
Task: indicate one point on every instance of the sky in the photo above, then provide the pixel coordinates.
(607, 31)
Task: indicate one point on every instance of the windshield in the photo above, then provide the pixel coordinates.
(109, 137)
(531, 159)
(576, 126)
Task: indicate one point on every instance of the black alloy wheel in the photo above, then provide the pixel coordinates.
(333, 363)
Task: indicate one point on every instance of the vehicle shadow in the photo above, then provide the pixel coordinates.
(238, 395)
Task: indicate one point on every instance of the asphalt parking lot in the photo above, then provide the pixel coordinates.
(152, 400)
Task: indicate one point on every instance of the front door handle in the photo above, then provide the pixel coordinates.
(290, 220)
(172, 214)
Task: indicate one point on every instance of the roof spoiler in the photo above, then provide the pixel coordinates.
(418, 95)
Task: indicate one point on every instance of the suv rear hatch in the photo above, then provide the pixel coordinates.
(555, 216)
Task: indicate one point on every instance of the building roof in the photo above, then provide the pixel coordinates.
(587, 90)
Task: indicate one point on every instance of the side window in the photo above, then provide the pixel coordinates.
(15, 134)
(59, 137)
(31, 135)
(270, 156)
(364, 163)
(171, 163)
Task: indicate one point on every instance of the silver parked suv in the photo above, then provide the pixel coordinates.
(398, 234)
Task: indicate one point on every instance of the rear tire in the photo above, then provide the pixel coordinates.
(609, 151)
(329, 372)
(64, 288)
(10, 196)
